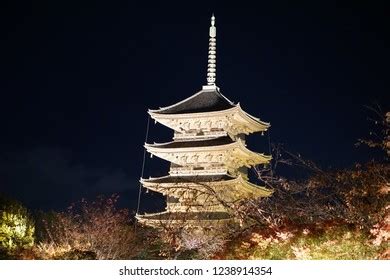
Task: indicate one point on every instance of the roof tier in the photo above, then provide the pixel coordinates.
(208, 110)
(203, 153)
(210, 187)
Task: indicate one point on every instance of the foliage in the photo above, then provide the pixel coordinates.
(206, 243)
(91, 230)
(381, 230)
(364, 192)
(327, 240)
(16, 226)
(358, 195)
(380, 134)
(77, 254)
(191, 242)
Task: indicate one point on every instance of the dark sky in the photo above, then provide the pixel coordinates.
(76, 80)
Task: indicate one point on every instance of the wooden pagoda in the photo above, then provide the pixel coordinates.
(208, 155)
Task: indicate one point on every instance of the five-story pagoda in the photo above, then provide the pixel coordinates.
(208, 155)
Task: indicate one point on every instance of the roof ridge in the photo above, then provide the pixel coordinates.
(195, 102)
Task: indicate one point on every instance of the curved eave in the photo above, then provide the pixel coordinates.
(252, 157)
(253, 189)
(257, 190)
(158, 147)
(261, 158)
(159, 186)
(255, 124)
(184, 214)
(188, 224)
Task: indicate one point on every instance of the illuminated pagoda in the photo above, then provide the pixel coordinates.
(208, 156)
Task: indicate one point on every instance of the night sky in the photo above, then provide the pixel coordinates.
(76, 80)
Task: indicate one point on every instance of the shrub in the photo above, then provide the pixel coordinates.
(16, 226)
(316, 241)
(89, 230)
(78, 255)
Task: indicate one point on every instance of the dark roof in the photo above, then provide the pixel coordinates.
(199, 178)
(204, 101)
(199, 143)
(188, 216)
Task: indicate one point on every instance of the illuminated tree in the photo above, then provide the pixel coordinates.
(89, 230)
(357, 195)
(16, 225)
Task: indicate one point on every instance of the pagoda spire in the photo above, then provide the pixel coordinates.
(212, 57)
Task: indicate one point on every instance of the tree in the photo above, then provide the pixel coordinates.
(16, 225)
(380, 131)
(89, 230)
(357, 195)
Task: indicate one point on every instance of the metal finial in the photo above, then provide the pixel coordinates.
(212, 57)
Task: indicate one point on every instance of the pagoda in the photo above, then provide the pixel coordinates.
(208, 156)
